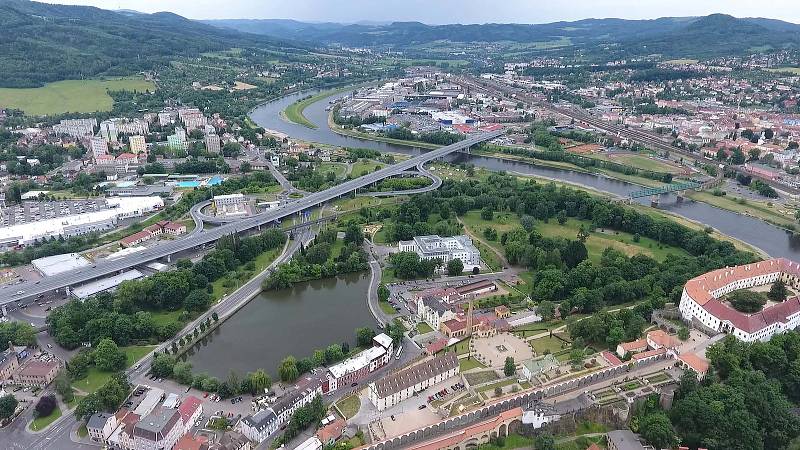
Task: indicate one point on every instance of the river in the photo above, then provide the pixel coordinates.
(294, 321)
(772, 240)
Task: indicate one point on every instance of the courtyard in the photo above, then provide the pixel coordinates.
(492, 351)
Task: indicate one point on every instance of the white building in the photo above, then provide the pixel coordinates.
(230, 204)
(108, 130)
(312, 443)
(76, 128)
(434, 311)
(52, 265)
(446, 249)
(158, 431)
(700, 300)
(98, 146)
(359, 366)
(79, 224)
(100, 426)
(213, 143)
(260, 426)
(393, 389)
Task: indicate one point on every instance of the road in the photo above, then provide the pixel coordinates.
(30, 290)
(436, 183)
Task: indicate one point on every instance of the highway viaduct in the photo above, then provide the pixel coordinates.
(30, 290)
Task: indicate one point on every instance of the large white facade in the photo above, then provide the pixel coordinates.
(444, 248)
(700, 300)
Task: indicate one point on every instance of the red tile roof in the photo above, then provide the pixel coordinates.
(611, 358)
(697, 363)
(478, 430)
(700, 287)
(754, 322)
(435, 346)
(188, 407)
(649, 353)
(331, 431)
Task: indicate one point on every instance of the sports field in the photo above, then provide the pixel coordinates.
(79, 96)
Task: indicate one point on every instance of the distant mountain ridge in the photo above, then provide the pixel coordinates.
(43, 42)
(681, 36)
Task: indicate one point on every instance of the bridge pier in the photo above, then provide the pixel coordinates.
(169, 258)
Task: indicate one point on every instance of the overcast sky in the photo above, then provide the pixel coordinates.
(452, 11)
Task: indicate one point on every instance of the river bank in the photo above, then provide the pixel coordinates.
(752, 231)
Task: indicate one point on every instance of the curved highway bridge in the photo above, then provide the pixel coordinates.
(29, 290)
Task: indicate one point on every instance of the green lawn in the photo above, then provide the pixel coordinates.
(640, 161)
(759, 209)
(512, 441)
(349, 406)
(462, 347)
(423, 328)
(83, 431)
(467, 364)
(387, 308)
(599, 240)
(490, 387)
(162, 318)
(77, 96)
(41, 422)
(262, 261)
(541, 345)
(362, 167)
(338, 169)
(97, 378)
(294, 112)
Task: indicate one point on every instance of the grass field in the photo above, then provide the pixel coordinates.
(96, 378)
(294, 112)
(790, 70)
(679, 62)
(387, 308)
(423, 328)
(596, 243)
(512, 441)
(163, 318)
(551, 344)
(363, 167)
(262, 261)
(753, 208)
(41, 422)
(641, 162)
(78, 96)
(349, 406)
(468, 364)
(338, 169)
(600, 240)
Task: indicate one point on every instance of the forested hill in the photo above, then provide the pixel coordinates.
(713, 35)
(41, 42)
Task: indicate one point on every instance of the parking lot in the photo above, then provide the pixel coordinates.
(34, 211)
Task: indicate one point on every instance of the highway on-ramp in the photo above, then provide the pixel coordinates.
(30, 290)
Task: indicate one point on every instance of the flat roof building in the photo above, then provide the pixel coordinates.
(52, 265)
(104, 284)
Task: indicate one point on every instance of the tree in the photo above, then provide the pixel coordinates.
(63, 387)
(487, 213)
(747, 301)
(476, 270)
(287, 370)
(45, 405)
(210, 384)
(334, 353)
(498, 391)
(383, 292)
(778, 292)
(245, 167)
(8, 404)
(576, 357)
(657, 430)
(78, 366)
(182, 372)
(162, 365)
(455, 267)
(364, 336)
(544, 442)
(546, 309)
(769, 133)
(354, 234)
(108, 357)
(509, 368)
(260, 381)
(683, 333)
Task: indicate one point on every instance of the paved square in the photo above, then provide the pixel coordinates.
(494, 350)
